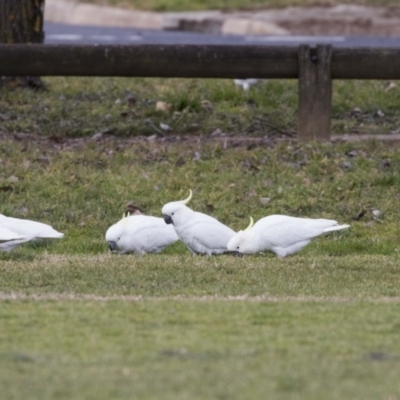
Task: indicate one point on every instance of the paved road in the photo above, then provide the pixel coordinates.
(73, 34)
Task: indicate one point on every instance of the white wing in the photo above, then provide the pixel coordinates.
(7, 235)
(211, 234)
(283, 231)
(31, 229)
(149, 235)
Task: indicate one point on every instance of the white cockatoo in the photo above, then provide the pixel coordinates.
(30, 230)
(280, 234)
(201, 233)
(140, 234)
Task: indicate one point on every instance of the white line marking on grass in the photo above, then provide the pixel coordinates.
(132, 298)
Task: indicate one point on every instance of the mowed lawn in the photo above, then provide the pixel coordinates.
(79, 322)
(197, 5)
(196, 349)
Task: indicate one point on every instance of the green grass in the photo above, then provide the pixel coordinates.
(78, 322)
(196, 350)
(347, 277)
(188, 5)
(76, 107)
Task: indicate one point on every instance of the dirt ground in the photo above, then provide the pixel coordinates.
(342, 19)
(345, 20)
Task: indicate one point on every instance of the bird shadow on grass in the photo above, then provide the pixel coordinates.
(27, 251)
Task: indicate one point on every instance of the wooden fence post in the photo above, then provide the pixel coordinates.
(315, 93)
(21, 21)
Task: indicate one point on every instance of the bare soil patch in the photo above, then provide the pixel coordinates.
(340, 20)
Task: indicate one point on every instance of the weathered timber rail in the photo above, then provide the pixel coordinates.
(314, 67)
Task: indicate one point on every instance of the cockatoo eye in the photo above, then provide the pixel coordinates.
(238, 247)
(172, 213)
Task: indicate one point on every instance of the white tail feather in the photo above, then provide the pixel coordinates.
(336, 228)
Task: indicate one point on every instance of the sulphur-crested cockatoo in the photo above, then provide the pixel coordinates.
(201, 233)
(31, 230)
(140, 234)
(280, 234)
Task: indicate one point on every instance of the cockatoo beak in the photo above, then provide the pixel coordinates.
(112, 245)
(168, 219)
(236, 254)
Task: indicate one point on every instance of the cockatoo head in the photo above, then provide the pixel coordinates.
(115, 233)
(176, 210)
(242, 242)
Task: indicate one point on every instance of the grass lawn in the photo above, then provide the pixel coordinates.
(199, 349)
(76, 107)
(188, 5)
(79, 322)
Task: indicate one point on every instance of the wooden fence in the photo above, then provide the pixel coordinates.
(314, 67)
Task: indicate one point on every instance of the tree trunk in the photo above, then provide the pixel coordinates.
(21, 21)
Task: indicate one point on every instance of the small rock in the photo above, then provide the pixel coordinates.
(13, 179)
(130, 98)
(352, 153)
(380, 114)
(216, 132)
(376, 214)
(391, 86)
(347, 165)
(165, 127)
(163, 106)
(268, 182)
(207, 105)
(265, 200)
(250, 193)
(97, 136)
(197, 156)
(151, 138)
(118, 101)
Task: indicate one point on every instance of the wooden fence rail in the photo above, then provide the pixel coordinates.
(314, 67)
